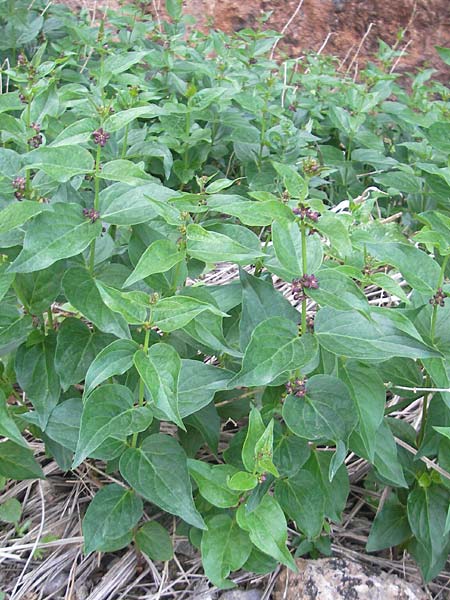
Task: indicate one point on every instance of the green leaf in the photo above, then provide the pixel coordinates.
(242, 481)
(260, 301)
(386, 461)
(133, 306)
(303, 501)
(399, 181)
(111, 514)
(6, 280)
(38, 290)
(264, 452)
(287, 243)
(225, 547)
(176, 312)
(159, 257)
(8, 427)
(444, 53)
(153, 540)
(198, 383)
(255, 430)
(14, 330)
(390, 526)
(212, 483)
(63, 425)
(275, 348)
(17, 462)
(158, 471)
(160, 371)
(374, 337)
(37, 376)
(125, 117)
(61, 164)
(267, 529)
(213, 247)
(327, 412)
(174, 9)
(76, 348)
(439, 136)
(122, 204)
(115, 359)
(369, 396)
(18, 213)
(125, 171)
(55, 234)
(251, 213)
(292, 181)
(427, 513)
(109, 411)
(82, 293)
(10, 511)
(207, 329)
(338, 291)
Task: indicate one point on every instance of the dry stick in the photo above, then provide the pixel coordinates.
(35, 545)
(325, 42)
(358, 50)
(421, 389)
(344, 60)
(286, 27)
(427, 461)
(401, 55)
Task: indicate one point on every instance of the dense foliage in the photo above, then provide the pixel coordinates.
(133, 160)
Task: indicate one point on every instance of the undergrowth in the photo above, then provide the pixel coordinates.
(136, 158)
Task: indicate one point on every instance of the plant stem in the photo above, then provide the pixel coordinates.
(27, 171)
(424, 413)
(50, 318)
(304, 272)
(125, 142)
(435, 306)
(96, 193)
(141, 384)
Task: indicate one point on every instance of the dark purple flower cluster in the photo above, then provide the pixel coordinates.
(305, 282)
(439, 298)
(310, 166)
(100, 136)
(306, 213)
(22, 60)
(23, 98)
(91, 213)
(37, 139)
(297, 387)
(19, 184)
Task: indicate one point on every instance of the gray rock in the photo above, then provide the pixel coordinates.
(241, 595)
(341, 579)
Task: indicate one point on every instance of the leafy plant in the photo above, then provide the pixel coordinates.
(132, 164)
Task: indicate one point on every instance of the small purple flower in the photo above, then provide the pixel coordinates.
(304, 282)
(19, 183)
(439, 298)
(22, 60)
(23, 99)
(100, 136)
(36, 140)
(36, 127)
(91, 213)
(296, 387)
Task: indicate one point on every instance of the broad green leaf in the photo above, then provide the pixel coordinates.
(338, 291)
(287, 243)
(122, 204)
(399, 181)
(17, 462)
(251, 213)
(212, 483)
(115, 359)
(327, 412)
(124, 171)
(260, 301)
(6, 280)
(78, 132)
(63, 425)
(444, 53)
(124, 117)
(374, 337)
(38, 290)
(174, 9)
(289, 453)
(10, 511)
(159, 257)
(82, 293)
(176, 312)
(390, 526)
(18, 213)
(369, 396)
(275, 348)
(160, 371)
(242, 481)
(255, 430)
(37, 376)
(386, 461)
(158, 472)
(292, 180)
(61, 164)
(207, 422)
(76, 348)
(111, 514)
(198, 383)
(207, 329)
(109, 411)
(14, 329)
(439, 134)
(213, 247)
(225, 547)
(133, 306)
(154, 540)
(8, 427)
(427, 513)
(387, 283)
(267, 528)
(55, 234)
(332, 226)
(303, 501)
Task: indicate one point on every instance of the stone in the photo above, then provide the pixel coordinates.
(342, 579)
(242, 595)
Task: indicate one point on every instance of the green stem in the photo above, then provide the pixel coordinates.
(125, 142)
(27, 171)
(423, 421)
(435, 306)
(141, 384)
(304, 272)
(96, 203)
(50, 318)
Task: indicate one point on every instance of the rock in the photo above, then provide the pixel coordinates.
(341, 579)
(54, 584)
(242, 595)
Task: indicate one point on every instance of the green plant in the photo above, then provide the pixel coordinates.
(134, 162)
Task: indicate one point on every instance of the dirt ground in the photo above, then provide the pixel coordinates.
(343, 24)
